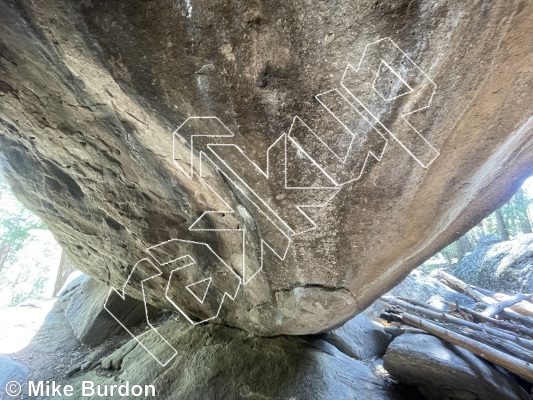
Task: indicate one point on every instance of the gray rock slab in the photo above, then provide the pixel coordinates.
(501, 267)
(83, 301)
(442, 371)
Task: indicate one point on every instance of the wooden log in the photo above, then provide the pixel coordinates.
(522, 368)
(512, 316)
(395, 330)
(462, 287)
(524, 307)
(481, 295)
(500, 323)
(497, 307)
(419, 303)
(440, 316)
(506, 346)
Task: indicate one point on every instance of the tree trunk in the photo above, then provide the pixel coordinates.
(463, 247)
(525, 225)
(502, 228)
(481, 227)
(523, 216)
(4, 252)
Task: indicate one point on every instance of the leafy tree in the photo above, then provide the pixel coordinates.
(16, 224)
(17, 230)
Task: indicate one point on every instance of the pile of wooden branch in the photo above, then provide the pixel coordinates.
(499, 328)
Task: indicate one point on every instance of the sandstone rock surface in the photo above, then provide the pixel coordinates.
(92, 91)
(501, 267)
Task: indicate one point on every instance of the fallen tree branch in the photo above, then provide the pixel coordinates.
(510, 315)
(462, 287)
(419, 304)
(396, 331)
(441, 316)
(498, 307)
(527, 321)
(507, 346)
(524, 307)
(500, 323)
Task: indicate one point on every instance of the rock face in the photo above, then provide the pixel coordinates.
(83, 301)
(55, 335)
(11, 371)
(442, 371)
(91, 93)
(214, 361)
(428, 289)
(502, 267)
(359, 338)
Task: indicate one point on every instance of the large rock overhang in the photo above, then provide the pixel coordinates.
(93, 93)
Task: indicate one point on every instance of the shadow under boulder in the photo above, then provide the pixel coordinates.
(83, 300)
(217, 362)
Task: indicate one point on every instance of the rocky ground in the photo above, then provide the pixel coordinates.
(214, 361)
(360, 360)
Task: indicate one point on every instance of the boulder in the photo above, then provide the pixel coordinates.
(428, 289)
(442, 371)
(307, 208)
(424, 288)
(83, 301)
(501, 267)
(10, 371)
(359, 338)
(212, 361)
(55, 334)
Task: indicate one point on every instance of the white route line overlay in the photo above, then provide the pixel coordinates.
(122, 295)
(404, 116)
(190, 173)
(226, 294)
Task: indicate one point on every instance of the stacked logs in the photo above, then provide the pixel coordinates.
(499, 328)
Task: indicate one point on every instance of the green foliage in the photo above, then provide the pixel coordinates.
(25, 254)
(16, 223)
(429, 266)
(34, 292)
